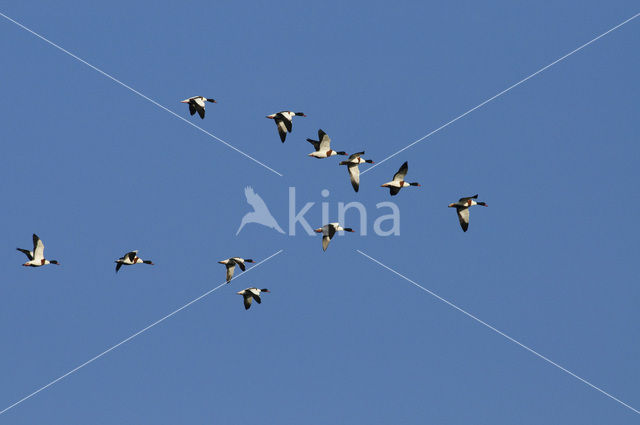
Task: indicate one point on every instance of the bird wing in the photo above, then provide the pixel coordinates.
(247, 301)
(254, 199)
(131, 255)
(257, 298)
(325, 141)
(463, 217)
(354, 172)
(38, 248)
(394, 190)
(464, 200)
(402, 172)
(325, 242)
(287, 121)
(199, 101)
(356, 155)
(315, 143)
(118, 265)
(28, 253)
(200, 110)
(231, 266)
(192, 108)
(282, 129)
(240, 263)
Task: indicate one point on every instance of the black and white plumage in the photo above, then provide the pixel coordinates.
(323, 146)
(354, 172)
(196, 104)
(231, 265)
(129, 259)
(284, 122)
(251, 294)
(328, 230)
(462, 208)
(398, 180)
(36, 257)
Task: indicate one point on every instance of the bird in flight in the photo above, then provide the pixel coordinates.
(231, 265)
(129, 259)
(251, 294)
(462, 208)
(36, 257)
(398, 180)
(354, 172)
(196, 104)
(284, 122)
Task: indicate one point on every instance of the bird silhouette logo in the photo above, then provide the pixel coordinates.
(260, 213)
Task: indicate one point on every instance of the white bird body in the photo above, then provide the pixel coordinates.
(36, 257)
(328, 231)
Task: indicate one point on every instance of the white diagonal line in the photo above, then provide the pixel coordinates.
(138, 93)
(502, 92)
(531, 350)
(91, 360)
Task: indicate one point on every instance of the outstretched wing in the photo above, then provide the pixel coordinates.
(394, 190)
(465, 200)
(287, 121)
(402, 172)
(254, 199)
(325, 242)
(463, 217)
(356, 155)
(247, 301)
(192, 108)
(28, 253)
(231, 266)
(131, 255)
(282, 129)
(38, 248)
(325, 141)
(118, 265)
(240, 263)
(354, 173)
(315, 143)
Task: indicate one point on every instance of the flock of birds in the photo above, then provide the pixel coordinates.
(284, 123)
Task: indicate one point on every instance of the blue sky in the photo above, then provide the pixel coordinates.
(96, 171)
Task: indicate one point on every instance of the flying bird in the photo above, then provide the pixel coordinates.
(328, 230)
(36, 257)
(398, 180)
(196, 104)
(354, 172)
(462, 208)
(129, 259)
(284, 122)
(323, 146)
(251, 294)
(260, 213)
(231, 265)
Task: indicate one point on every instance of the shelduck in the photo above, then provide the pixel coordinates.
(398, 180)
(462, 208)
(284, 121)
(231, 265)
(196, 104)
(36, 257)
(129, 259)
(328, 230)
(251, 294)
(323, 146)
(354, 172)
